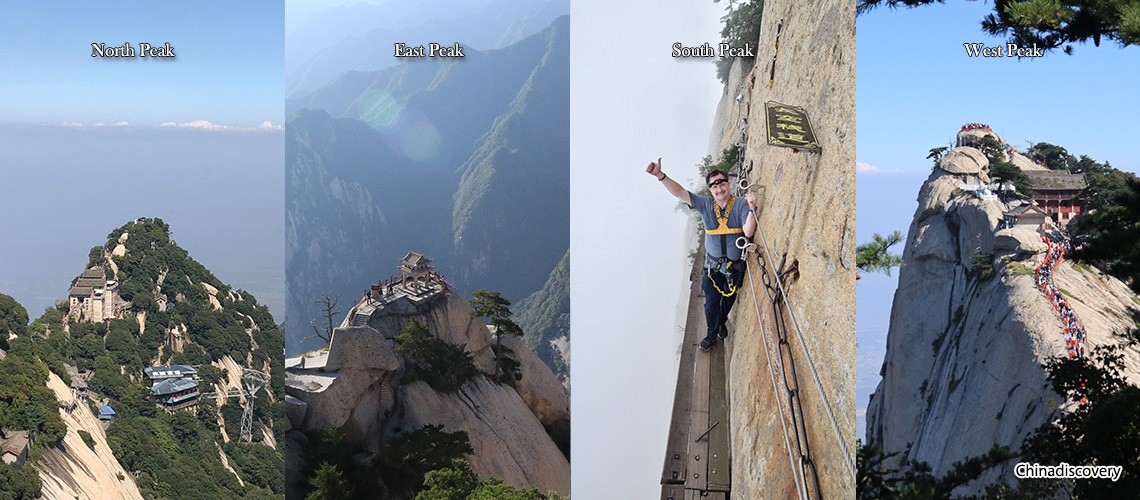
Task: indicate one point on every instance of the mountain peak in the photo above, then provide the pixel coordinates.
(972, 327)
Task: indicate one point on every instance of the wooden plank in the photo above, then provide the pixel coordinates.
(716, 495)
(672, 492)
(677, 446)
(719, 466)
(697, 467)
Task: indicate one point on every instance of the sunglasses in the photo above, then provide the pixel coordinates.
(718, 182)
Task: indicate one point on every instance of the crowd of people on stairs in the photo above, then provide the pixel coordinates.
(1073, 330)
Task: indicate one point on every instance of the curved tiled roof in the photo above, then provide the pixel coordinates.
(1052, 180)
(173, 385)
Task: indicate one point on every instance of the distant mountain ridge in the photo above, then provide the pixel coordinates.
(361, 37)
(545, 320)
(464, 161)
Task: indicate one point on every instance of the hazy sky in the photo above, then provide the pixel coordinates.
(917, 86)
(221, 192)
(297, 10)
(83, 149)
(228, 67)
(630, 103)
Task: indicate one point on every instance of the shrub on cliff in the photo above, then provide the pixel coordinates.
(13, 319)
(982, 267)
(408, 456)
(444, 366)
(493, 306)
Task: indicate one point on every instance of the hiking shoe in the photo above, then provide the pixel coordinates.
(706, 344)
(722, 333)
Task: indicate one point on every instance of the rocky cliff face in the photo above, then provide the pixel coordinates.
(74, 470)
(807, 220)
(356, 386)
(963, 369)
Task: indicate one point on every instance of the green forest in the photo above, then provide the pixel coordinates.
(171, 455)
(26, 403)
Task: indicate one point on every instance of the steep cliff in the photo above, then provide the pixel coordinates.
(363, 387)
(963, 370)
(805, 58)
(75, 470)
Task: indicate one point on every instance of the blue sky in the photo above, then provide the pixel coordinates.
(917, 86)
(228, 69)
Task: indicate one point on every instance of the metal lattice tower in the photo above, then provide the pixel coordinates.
(254, 380)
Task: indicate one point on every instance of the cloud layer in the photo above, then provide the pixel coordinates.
(869, 169)
(208, 125)
(195, 124)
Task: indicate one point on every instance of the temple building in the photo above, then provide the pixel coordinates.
(94, 298)
(174, 387)
(411, 292)
(1028, 215)
(1057, 193)
(415, 267)
(14, 446)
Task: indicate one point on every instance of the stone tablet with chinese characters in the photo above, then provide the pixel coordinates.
(789, 127)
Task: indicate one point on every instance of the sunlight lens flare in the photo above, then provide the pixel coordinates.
(405, 130)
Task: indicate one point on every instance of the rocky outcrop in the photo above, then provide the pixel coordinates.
(970, 137)
(357, 386)
(963, 368)
(1018, 239)
(348, 386)
(963, 160)
(453, 321)
(505, 435)
(807, 221)
(539, 388)
(361, 347)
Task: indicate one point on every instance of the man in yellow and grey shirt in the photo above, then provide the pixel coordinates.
(725, 218)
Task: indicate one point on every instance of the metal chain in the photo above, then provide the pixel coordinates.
(797, 472)
(787, 365)
(848, 458)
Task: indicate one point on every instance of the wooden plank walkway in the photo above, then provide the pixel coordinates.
(718, 451)
(697, 458)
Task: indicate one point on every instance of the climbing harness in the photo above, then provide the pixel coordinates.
(722, 264)
(721, 216)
